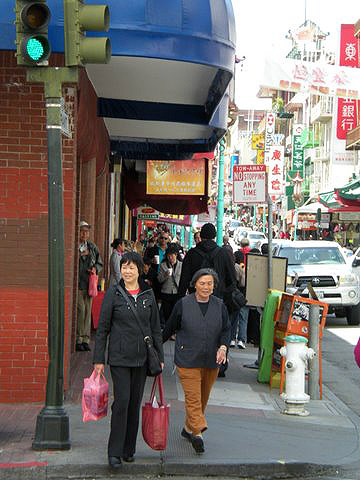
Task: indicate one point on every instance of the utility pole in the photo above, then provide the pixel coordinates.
(220, 202)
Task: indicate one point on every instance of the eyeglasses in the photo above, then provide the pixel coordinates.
(164, 238)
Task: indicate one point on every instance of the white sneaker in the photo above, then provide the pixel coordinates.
(232, 344)
(241, 345)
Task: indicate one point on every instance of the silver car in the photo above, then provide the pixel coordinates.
(324, 265)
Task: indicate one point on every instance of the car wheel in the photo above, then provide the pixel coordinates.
(353, 315)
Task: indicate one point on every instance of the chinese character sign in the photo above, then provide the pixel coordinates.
(295, 75)
(257, 141)
(185, 177)
(347, 107)
(269, 131)
(276, 184)
(249, 183)
(298, 151)
(348, 46)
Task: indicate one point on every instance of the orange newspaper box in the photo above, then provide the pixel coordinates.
(292, 318)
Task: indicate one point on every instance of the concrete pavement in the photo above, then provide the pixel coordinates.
(248, 435)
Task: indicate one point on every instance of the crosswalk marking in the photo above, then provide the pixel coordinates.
(350, 335)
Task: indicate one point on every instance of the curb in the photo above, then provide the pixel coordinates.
(261, 470)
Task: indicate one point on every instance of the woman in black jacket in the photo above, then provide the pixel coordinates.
(127, 353)
(201, 323)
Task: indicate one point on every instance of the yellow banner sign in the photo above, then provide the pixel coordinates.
(184, 177)
(257, 141)
(260, 157)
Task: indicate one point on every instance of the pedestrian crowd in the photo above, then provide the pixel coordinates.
(195, 298)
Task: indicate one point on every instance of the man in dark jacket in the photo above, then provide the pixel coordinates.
(89, 262)
(216, 257)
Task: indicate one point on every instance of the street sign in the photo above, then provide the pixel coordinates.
(249, 183)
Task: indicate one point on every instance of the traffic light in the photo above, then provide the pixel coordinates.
(79, 18)
(32, 43)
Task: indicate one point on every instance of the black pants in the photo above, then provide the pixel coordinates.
(168, 301)
(129, 383)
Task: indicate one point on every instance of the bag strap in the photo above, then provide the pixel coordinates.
(158, 382)
(128, 301)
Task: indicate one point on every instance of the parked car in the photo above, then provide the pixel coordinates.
(255, 238)
(324, 265)
(232, 226)
(354, 262)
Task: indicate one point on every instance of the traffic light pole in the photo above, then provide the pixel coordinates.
(52, 424)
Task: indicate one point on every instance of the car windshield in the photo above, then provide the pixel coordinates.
(257, 236)
(234, 223)
(312, 255)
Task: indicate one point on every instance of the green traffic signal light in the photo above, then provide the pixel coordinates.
(32, 20)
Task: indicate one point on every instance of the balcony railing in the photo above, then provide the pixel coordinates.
(323, 110)
(320, 153)
(353, 139)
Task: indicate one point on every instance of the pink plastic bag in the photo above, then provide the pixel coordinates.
(357, 353)
(95, 397)
(93, 284)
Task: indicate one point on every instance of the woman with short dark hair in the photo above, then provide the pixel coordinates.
(127, 352)
(201, 323)
(169, 279)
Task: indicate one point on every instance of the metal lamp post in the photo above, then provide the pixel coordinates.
(298, 198)
(220, 200)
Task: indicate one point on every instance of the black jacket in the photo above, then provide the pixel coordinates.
(200, 330)
(126, 341)
(224, 266)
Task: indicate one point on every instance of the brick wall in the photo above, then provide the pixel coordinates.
(23, 233)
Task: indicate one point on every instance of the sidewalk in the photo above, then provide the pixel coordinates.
(247, 435)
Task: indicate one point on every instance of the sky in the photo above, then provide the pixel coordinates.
(261, 28)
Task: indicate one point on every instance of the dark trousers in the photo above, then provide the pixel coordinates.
(129, 383)
(168, 301)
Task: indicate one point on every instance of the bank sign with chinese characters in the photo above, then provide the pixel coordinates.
(249, 184)
(185, 177)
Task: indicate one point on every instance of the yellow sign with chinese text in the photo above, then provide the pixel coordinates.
(257, 141)
(183, 177)
(260, 157)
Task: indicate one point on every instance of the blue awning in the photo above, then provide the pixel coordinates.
(171, 64)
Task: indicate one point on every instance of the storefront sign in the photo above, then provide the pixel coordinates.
(349, 216)
(347, 107)
(344, 158)
(276, 185)
(147, 213)
(257, 141)
(185, 177)
(295, 76)
(298, 151)
(269, 132)
(249, 183)
(175, 219)
(260, 157)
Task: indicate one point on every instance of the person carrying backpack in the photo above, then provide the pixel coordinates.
(207, 254)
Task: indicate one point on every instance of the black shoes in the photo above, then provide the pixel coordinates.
(186, 434)
(83, 347)
(115, 462)
(129, 458)
(197, 443)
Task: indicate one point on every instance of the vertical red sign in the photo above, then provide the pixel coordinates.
(349, 57)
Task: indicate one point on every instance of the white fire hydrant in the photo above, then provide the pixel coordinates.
(296, 353)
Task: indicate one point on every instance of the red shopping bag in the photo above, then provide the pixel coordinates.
(357, 353)
(155, 418)
(93, 284)
(95, 397)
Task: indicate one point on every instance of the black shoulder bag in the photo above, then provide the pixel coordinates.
(153, 362)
